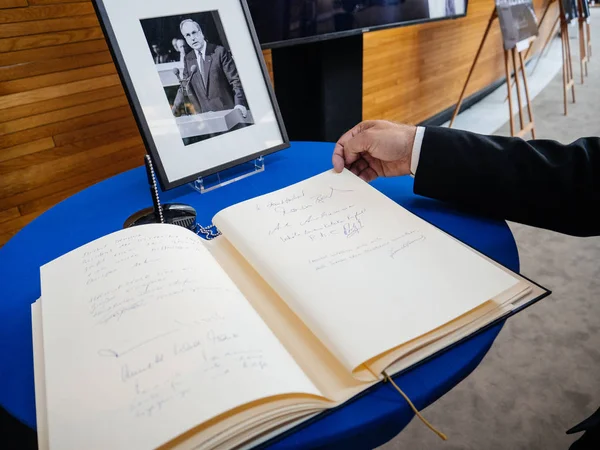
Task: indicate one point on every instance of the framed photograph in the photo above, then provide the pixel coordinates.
(196, 80)
(518, 21)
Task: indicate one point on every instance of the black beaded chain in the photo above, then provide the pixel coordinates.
(207, 233)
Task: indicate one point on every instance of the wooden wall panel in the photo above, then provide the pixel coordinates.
(64, 119)
(49, 39)
(26, 149)
(51, 11)
(45, 26)
(51, 53)
(54, 66)
(12, 3)
(269, 63)
(50, 2)
(65, 123)
(412, 73)
(57, 104)
(59, 128)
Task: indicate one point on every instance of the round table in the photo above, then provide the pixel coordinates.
(365, 422)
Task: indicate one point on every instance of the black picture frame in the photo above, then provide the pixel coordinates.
(143, 126)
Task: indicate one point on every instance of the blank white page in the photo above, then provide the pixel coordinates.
(362, 272)
(145, 337)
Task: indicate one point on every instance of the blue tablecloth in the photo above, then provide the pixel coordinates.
(366, 422)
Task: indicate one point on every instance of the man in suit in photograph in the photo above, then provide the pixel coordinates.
(214, 82)
(159, 56)
(540, 183)
(178, 52)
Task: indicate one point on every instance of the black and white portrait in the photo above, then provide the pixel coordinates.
(197, 83)
(199, 74)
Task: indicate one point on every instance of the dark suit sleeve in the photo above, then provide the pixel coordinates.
(541, 183)
(233, 77)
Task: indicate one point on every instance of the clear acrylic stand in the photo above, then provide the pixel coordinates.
(220, 179)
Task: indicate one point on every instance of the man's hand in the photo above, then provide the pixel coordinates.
(243, 110)
(375, 148)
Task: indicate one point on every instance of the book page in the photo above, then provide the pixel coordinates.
(362, 272)
(38, 376)
(145, 337)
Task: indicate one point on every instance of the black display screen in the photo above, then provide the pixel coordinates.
(286, 22)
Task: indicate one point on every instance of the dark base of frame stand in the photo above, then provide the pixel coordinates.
(228, 176)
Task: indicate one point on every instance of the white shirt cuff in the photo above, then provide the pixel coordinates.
(416, 151)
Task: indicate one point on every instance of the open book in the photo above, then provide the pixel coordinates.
(152, 337)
